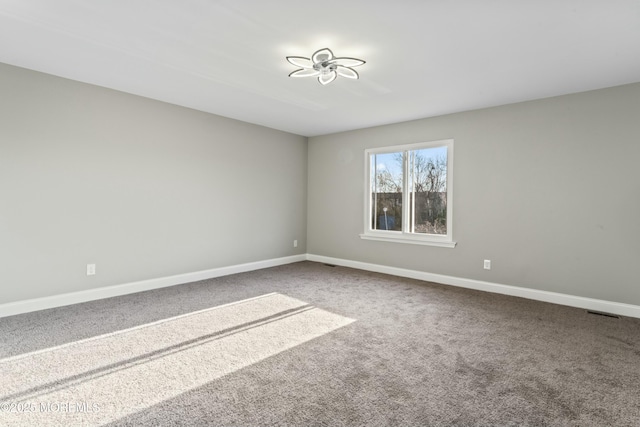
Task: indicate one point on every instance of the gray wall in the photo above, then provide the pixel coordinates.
(548, 190)
(142, 188)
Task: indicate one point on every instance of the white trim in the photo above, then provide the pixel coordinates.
(604, 306)
(26, 306)
(406, 236)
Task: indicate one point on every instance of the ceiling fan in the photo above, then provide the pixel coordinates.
(325, 66)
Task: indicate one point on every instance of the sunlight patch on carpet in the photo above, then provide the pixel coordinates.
(104, 378)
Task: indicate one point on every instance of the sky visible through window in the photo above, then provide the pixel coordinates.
(389, 161)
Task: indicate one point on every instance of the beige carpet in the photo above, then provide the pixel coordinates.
(308, 344)
(105, 378)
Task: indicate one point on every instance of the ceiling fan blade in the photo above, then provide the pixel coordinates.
(349, 62)
(300, 61)
(304, 72)
(347, 72)
(325, 79)
(322, 55)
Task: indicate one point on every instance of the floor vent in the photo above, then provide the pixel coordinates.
(598, 313)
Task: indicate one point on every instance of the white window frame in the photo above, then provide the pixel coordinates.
(406, 236)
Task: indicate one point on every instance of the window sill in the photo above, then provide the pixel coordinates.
(413, 240)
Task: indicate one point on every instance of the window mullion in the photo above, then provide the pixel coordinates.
(374, 209)
(405, 193)
(412, 186)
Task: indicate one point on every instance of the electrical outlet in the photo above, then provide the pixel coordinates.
(91, 269)
(295, 243)
(487, 264)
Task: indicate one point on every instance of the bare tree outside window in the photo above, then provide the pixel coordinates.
(428, 186)
(409, 193)
(426, 174)
(386, 192)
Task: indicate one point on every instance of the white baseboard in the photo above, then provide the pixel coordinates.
(534, 294)
(26, 306)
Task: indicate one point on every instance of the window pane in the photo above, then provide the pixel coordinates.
(386, 191)
(428, 190)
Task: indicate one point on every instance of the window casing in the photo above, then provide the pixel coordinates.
(409, 193)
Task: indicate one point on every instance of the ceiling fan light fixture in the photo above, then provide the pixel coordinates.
(325, 65)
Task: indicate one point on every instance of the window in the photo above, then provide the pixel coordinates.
(408, 193)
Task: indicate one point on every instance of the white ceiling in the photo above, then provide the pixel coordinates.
(424, 57)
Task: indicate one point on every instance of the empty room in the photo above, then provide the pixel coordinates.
(291, 213)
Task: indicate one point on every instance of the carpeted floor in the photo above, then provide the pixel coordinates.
(309, 344)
